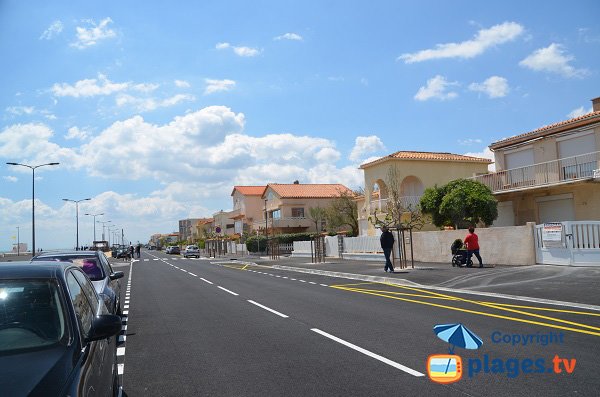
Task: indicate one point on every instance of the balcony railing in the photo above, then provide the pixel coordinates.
(291, 221)
(554, 172)
(407, 202)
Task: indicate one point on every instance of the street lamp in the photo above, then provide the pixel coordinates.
(77, 216)
(103, 224)
(32, 167)
(18, 242)
(95, 215)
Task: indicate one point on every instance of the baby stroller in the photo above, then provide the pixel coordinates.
(460, 256)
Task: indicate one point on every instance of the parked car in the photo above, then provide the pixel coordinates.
(57, 337)
(98, 269)
(173, 249)
(191, 250)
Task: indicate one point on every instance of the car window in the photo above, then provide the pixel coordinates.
(89, 264)
(83, 308)
(31, 314)
(106, 264)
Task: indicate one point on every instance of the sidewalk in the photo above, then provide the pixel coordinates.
(557, 283)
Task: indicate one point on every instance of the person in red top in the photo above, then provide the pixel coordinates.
(472, 244)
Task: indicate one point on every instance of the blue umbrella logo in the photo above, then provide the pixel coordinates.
(458, 335)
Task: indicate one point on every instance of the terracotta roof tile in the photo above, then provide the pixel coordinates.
(249, 190)
(431, 156)
(550, 129)
(308, 190)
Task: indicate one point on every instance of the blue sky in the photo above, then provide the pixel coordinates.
(155, 110)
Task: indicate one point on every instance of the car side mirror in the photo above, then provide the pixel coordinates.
(104, 326)
(117, 275)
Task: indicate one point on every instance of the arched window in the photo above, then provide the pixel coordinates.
(411, 187)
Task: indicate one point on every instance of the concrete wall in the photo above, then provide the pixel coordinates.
(513, 245)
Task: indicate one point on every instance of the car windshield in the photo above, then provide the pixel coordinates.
(31, 315)
(89, 264)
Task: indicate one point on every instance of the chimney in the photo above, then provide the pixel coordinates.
(596, 104)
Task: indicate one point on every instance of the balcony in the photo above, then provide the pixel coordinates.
(556, 172)
(407, 202)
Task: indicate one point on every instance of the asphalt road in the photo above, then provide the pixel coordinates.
(204, 327)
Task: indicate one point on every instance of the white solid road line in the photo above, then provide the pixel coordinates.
(368, 353)
(226, 290)
(206, 281)
(268, 309)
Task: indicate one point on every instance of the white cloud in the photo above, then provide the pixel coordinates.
(364, 145)
(469, 141)
(145, 87)
(20, 110)
(484, 39)
(289, 36)
(10, 178)
(240, 51)
(89, 87)
(213, 86)
(76, 133)
(149, 104)
(553, 59)
(580, 111)
(87, 37)
(31, 143)
(437, 88)
(53, 30)
(182, 84)
(494, 87)
(486, 154)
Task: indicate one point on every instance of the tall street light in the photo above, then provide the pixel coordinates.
(103, 225)
(95, 215)
(33, 167)
(77, 216)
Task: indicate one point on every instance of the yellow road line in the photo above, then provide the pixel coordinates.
(583, 331)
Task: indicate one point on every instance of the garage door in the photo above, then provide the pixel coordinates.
(556, 208)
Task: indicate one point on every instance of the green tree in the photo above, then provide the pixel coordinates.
(317, 215)
(460, 203)
(343, 211)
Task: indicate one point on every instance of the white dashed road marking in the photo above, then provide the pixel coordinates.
(268, 309)
(226, 290)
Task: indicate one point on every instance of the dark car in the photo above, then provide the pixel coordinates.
(98, 269)
(56, 336)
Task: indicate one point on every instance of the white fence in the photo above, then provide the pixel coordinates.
(579, 245)
(362, 244)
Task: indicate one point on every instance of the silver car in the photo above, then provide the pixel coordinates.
(191, 250)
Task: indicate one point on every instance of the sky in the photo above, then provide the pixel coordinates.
(155, 110)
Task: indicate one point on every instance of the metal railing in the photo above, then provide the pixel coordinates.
(406, 201)
(542, 174)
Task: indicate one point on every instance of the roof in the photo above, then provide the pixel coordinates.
(296, 190)
(41, 269)
(249, 190)
(428, 156)
(561, 126)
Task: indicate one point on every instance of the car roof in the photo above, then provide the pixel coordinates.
(75, 254)
(40, 269)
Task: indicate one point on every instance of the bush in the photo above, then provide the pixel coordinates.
(256, 244)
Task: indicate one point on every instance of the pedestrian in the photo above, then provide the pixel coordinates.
(387, 244)
(137, 250)
(472, 245)
(131, 251)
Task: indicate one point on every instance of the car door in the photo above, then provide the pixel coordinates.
(114, 285)
(97, 357)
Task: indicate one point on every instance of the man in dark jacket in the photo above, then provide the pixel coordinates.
(387, 244)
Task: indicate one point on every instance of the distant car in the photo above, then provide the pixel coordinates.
(191, 250)
(56, 335)
(96, 266)
(173, 249)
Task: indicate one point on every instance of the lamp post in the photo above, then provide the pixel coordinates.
(32, 167)
(103, 224)
(18, 242)
(77, 217)
(95, 215)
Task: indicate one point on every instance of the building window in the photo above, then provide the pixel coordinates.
(297, 212)
(276, 214)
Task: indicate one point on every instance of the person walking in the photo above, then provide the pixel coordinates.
(137, 250)
(131, 249)
(387, 244)
(472, 245)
